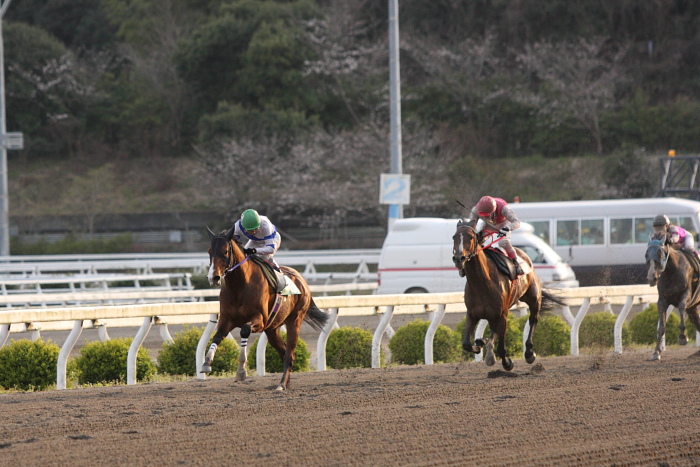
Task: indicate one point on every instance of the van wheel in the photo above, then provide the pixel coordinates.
(416, 290)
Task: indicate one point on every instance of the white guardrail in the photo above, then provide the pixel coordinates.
(162, 314)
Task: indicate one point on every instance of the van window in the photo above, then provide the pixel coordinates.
(620, 231)
(567, 233)
(541, 229)
(592, 232)
(685, 222)
(642, 228)
(535, 255)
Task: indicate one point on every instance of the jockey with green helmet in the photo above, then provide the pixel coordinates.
(494, 215)
(263, 238)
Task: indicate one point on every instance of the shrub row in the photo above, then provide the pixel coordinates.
(27, 365)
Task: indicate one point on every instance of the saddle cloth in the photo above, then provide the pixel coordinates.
(504, 264)
(277, 280)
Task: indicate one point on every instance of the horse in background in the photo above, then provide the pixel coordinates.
(248, 301)
(489, 293)
(676, 279)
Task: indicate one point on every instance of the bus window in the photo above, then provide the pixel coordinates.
(620, 231)
(642, 229)
(567, 233)
(541, 229)
(592, 232)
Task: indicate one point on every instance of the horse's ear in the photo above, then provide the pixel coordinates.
(211, 234)
(229, 234)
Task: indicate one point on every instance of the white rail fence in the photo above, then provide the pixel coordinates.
(146, 315)
(306, 261)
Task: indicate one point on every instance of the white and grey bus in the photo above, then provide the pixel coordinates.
(604, 241)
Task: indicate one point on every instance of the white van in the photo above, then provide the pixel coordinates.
(417, 258)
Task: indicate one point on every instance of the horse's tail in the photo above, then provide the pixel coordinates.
(316, 318)
(549, 300)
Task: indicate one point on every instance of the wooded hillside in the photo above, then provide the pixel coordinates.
(158, 105)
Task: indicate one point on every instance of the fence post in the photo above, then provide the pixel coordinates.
(377, 338)
(430, 333)
(619, 323)
(323, 339)
(577, 324)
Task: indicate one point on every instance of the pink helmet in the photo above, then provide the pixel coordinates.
(486, 206)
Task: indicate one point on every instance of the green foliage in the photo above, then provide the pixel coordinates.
(71, 244)
(407, 345)
(350, 348)
(514, 336)
(597, 330)
(28, 365)
(179, 357)
(273, 361)
(644, 327)
(105, 362)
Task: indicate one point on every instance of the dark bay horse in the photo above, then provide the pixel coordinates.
(248, 302)
(489, 294)
(675, 279)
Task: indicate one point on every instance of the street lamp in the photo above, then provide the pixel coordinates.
(7, 141)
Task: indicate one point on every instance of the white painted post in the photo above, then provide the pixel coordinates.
(134, 350)
(204, 343)
(430, 333)
(260, 355)
(566, 313)
(377, 337)
(622, 317)
(4, 334)
(65, 352)
(478, 334)
(323, 339)
(577, 324)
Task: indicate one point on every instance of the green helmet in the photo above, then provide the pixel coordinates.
(250, 219)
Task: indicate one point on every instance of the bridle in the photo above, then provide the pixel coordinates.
(228, 260)
(479, 248)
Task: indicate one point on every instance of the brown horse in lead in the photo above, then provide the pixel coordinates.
(247, 301)
(490, 293)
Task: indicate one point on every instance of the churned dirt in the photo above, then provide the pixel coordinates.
(591, 410)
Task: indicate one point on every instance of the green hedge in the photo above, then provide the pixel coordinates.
(28, 365)
(552, 335)
(179, 357)
(407, 345)
(105, 362)
(350, 348)
(598, 330)
(273, 362)
(644, 327)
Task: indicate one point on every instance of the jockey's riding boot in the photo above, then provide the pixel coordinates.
(518, 270)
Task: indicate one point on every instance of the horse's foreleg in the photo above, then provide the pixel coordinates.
(241, 372)
(222, 331)
(661, 331)
(467, 338)
(489, 356)
(682, 337)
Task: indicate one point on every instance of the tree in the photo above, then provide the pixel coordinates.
(578, 80)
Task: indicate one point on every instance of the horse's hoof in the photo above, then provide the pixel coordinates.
(280, 388)
(240, 376)
(205, 369)
(683, 340)
(479, 342)
(655, 357)
(508, 364)
(490, 360)
(530, 357)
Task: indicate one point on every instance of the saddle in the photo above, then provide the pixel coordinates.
(276, 278)
(503, 262)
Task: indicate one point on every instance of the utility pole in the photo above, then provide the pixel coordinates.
(7, 141)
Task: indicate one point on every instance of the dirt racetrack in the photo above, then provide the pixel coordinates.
(595, 409)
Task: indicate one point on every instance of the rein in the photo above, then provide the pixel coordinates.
(229, 259)
(478, 250)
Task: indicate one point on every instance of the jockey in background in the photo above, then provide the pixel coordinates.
(494, 213)
(263, 238)
(675, 235)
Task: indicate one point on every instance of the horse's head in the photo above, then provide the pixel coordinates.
(656, 257)
(465, 245)
(222, 255)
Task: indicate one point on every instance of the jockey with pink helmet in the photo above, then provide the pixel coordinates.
(675, 235)
(494, 215)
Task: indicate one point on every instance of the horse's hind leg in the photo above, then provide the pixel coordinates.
(530, 355)
(275, 339)
(682, 337)
(661, 330)
(693, 317)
